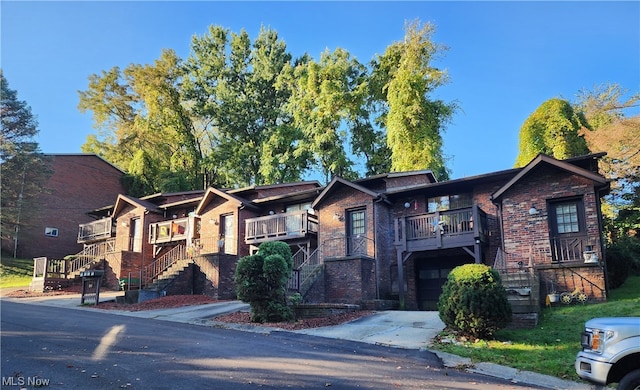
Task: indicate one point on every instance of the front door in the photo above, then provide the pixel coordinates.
(228, 234)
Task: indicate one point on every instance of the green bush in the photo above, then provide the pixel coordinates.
(261, 281)
(474, 301)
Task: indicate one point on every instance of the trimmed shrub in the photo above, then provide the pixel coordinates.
(261, 281)
(474, 302)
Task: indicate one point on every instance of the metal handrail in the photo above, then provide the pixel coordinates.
(165, 261)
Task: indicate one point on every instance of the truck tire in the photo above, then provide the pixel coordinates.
(631, 381)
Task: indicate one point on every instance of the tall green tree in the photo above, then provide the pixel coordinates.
(235, 86)
(325, 103)
(144, 126)
(415, 121)
(553, 129)
(24, 169)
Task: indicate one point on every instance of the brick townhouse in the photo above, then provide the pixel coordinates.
(389, 239)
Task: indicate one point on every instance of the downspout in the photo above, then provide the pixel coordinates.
(602, 246)
(500, 225)
(375, 247)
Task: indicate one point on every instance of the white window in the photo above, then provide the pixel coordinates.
(51, 232)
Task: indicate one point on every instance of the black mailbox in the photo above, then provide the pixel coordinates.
(91, 280)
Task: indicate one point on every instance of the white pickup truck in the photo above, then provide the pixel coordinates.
(611, 352)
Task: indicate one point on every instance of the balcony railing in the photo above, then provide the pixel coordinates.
(550, 252)
(562, 249)
(171, 231)
(443, 229)
(95, 231)
(283, 226)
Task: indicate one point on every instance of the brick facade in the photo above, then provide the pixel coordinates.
(79, 183)
(387, 201)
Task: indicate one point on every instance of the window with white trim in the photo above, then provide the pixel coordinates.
(51, 232)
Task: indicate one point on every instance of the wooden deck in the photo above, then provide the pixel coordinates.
(283, 226)
(442, 230)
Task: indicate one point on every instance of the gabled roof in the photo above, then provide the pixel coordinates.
(338, 182)
(183, 202)
(391, 175)
(560, 164)
(213, 193)
(290, 196)
(268, 186)
(84, 155)
(126, 199)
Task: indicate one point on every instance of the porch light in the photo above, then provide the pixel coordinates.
(338, 216)
(213, 221)
(533, 210)
(271, 212)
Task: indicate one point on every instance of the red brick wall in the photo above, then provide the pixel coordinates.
(521, 229)
(332, 218)
(134, 260)
(79, 183)
(211, 225)
(565, 279)
(349, 280)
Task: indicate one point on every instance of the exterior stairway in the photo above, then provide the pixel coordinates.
(306, 273)
(165, 278)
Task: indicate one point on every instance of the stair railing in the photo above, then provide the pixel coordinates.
(89, 255)
(165, 261)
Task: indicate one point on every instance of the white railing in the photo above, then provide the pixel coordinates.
(280, 226)
(96, 230)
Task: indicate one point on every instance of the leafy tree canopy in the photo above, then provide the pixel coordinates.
(240, 112)
(553, 129)
(415, 122)
(612, 130)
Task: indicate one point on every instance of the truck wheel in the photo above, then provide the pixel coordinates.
(631, 381)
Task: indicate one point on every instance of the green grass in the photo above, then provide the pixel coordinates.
(552, 346)
(15, 272)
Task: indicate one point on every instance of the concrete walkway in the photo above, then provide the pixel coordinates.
(399, 329)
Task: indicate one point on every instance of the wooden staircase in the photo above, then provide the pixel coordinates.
(53, 273)
(88, 257)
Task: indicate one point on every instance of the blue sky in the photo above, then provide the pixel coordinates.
(505, 58)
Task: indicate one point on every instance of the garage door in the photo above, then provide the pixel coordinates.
(431, 276)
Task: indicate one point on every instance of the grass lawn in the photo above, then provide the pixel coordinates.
(552, 346)
(15, 272)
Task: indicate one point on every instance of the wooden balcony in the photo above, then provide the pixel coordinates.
(95, 231)
(172, 231)
(285, 226)
(442, 230)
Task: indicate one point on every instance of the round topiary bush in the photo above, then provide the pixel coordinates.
(261, 280)
(474, 301)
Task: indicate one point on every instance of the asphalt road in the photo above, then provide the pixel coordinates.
(57, 348)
